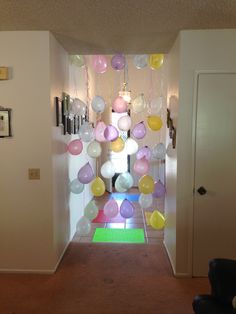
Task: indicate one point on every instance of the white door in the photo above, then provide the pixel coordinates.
(215, 171)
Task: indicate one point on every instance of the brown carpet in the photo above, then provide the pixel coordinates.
(107, 279)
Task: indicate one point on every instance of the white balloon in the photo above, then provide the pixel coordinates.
(131, 146)
(126, 180)
(94, 149)
(156, 105)
(77, 107)
(159, 151)
(140, 61)
(145, 200)
(98, 104)
(124, 123)
(86, 132)
(139, 103)
(83, 226)
(108, 169)
(118, 187)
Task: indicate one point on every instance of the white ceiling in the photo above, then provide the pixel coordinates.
(110, 26)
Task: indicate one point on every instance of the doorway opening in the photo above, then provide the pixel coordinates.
(120, 160)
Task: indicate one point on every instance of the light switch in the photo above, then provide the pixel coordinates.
(34, 174)
(3, 73)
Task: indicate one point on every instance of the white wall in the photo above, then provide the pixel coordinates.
(209, 50)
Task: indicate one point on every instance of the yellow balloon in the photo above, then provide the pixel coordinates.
(156, 61)
(98, 187)
(154, 122)
(146, 184)
(117, 145)
(157, 220)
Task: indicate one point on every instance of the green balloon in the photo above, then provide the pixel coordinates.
(91, 210)
(76, 186)
(77, 60)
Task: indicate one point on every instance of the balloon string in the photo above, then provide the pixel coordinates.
(97, 167)
(74, 80)
(88, 90)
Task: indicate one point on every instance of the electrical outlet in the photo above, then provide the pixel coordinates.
(3, 73)
(34, 174)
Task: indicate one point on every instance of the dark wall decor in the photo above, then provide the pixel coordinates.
(172, 129)
(5, 122)
(70, 122)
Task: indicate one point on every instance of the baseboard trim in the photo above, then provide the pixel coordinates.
(176, 274)
(27, 271)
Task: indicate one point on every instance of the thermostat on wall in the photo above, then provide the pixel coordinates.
(3, 73)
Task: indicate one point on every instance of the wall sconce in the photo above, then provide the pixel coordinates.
(172, 129)
(125, 93)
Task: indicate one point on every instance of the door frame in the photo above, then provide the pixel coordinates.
(197, 74)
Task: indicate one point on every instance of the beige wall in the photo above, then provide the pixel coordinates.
(25, 207)
(205, 50)
(173, 74)
(38, 218)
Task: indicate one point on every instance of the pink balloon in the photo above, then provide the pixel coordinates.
(141, 166)
(144, 151)
(111, 133)
(86, 174)
(99, 131)
(100, 64)
(75, 147)
(159, 189)
(139, 130)
(126, 209)
(111, 208)
(120, 105)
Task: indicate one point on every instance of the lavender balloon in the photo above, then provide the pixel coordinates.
(159, 189)
(111, 133)
(145, 152)
(126, 209)
(118, 62)
(86, 174)
(139, 130)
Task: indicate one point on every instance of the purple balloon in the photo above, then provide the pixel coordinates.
(118, 62)
(139, 130)
(86, 174)
(145, 152)
(111, 133)
(159, 189)
(126, 209)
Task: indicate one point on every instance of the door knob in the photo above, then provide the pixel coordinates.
(201, 190)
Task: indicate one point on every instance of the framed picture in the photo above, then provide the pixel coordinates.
(59, 111)
(5, 123)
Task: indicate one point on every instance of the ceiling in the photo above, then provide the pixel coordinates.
(110, 26)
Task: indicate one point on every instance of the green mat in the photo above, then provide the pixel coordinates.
(119, 235)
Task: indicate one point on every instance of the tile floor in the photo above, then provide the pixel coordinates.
(152, 236)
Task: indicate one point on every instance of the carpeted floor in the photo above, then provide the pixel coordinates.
(103, 278)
